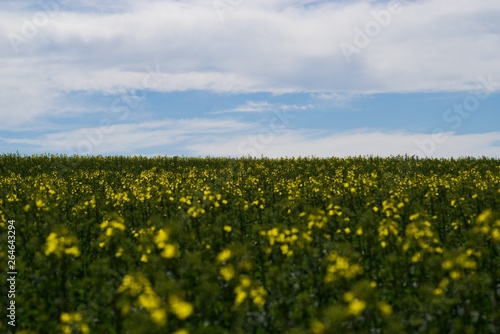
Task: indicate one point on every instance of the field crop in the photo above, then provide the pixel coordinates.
(219, 245)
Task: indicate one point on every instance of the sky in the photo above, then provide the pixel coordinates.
(231, 78)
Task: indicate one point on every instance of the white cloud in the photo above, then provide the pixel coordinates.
(276, 46)
(263, 106)
(307, 143)
(227, 137)
(128, 138)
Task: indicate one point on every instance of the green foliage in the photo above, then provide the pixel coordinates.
(219, 245)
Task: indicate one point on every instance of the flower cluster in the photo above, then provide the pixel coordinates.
(340, 266)
(248, 289)
(71, 322)
(141, 290)
(487, 225)
(62, 244)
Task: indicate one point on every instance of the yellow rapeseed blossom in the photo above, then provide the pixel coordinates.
(317, 327)
(74, 251)
(488, 226)
(384, 308)
(348, 296)
(139, 287)
(73, 322)
(356, 307)
(132, 284)
(149, 300)
(340, 267)
(179, 307)
(224, 255)
(61, 244)
(119, 252)
(227, 272)
(247, 289)
(169, 251)
(159, 316)
(181, 331)
(161, 238)
(442, 286)
(118, 223)
(241, 295)
(258, 295)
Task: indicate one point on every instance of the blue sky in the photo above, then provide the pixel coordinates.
(239, 77)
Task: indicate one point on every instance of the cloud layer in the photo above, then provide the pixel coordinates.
(58, 47)
(202, 137)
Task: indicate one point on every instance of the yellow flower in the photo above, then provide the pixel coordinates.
(495, 234)
(66, 317)
(258, 296)
(356, 307)
(455, 274)
(119, 253)
(224, 255)
(73, 251)
(259, 300)
(51, 244)
(245, 282)
(169, 251)
(61, 244)
(227, 272)
(84, 328)
(384, 308)
(71, 320)
(483, 217)
(348, 296)
(228, 228)
(181, 331)
(416, 257)
(414, 216)
(317, 327)
(149, 300)
(241, 295)
(180, 308)
(131, 283)
(161, 238)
